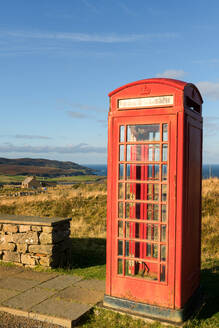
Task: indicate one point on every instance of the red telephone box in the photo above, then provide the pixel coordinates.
(154, 198)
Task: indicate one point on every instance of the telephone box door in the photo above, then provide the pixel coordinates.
(143, 209)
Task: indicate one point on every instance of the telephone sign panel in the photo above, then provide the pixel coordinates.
(154, 197)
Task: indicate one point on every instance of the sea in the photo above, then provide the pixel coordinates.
(208, 170)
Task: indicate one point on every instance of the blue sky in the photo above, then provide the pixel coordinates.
(59, 59)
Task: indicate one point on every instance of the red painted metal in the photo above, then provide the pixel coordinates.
(151, 259)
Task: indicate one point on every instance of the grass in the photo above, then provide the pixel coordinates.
(86, 203)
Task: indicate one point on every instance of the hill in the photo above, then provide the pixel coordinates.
(42, 167)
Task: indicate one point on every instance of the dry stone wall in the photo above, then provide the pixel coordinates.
(32, 241)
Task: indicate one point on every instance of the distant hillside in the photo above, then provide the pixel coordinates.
(41, 167)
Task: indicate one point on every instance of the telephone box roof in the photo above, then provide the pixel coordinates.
(171, 82)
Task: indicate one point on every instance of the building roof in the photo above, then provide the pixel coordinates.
(29, 179)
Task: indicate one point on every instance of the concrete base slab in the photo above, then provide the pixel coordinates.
(174, 316)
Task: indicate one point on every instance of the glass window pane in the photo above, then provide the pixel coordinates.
(120, 248)
(154, 251)
(163, 213)
(130, 191)
(120, 229)
(128, 248)
(162, 272)
(164, 153)
(132, 211)
(129, 268)
(138, 230)
(121, 152)
(152, 212)
(121, 190)
(150, 152)
(122, 133)
(121, 171)
(152, 232)
(148, 250)
(120, 268)
(127, 230)
(141, 191)
(156, 212)
(152, 172)
(164, 172)
(152, 191)
(142, 172)
(163, 232)
(156, 192)
(156, 153)
(163, 253)
(165, 132)
(149, 191)
(120, 210)
(164, 192)
(143, 132)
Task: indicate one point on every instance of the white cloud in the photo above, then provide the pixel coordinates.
(76, 114)
(172, 74)
(206, 61)
(82, 37)
(27, 136)
(209, 89)
(82, 148)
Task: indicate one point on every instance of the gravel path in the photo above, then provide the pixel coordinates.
(9, 321)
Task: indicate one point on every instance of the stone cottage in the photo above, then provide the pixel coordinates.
(31, 183)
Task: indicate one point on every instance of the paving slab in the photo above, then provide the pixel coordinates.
(6, 271)
(29, 298)
(6, 294)
(62, 309)
(49, 297)
(98, 285)
(17, 284)
(60, 282)
(37, 276)
(80, 295)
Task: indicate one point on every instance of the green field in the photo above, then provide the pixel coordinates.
(9, 179)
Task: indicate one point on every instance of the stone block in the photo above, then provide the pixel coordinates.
(11, 256)
(6, 238)
(21, 248)
(36, 228)
(47, 229)
(42, 249)
(45, 261)
(25, 238)
(54, 237)
(27, 259)
(7, 246)
(24, 228)
(10, 228)
(46, 238)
